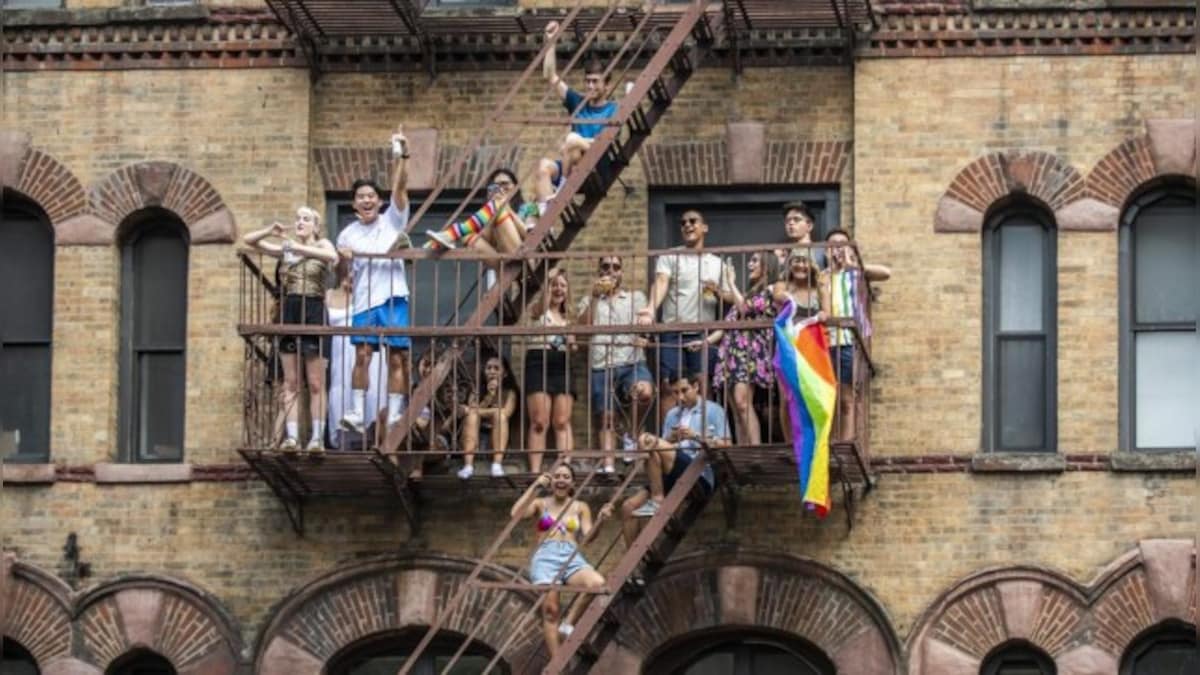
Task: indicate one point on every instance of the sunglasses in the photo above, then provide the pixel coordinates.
(689, 221)
(606, 267)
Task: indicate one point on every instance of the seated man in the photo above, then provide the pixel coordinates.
(693, 420)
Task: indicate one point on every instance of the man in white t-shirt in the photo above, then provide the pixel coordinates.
(380, 286)
(688, 286)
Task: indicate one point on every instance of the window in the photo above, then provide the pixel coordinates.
(27, 305)
(141, 662)
(32, 4)
(385, 654)
(738, 217)
(1018, 658)
(154, 268)
(458, 282)
(1169, 649)
(708, 654)
(16, 660)
(1019, 304)
(1159, 353)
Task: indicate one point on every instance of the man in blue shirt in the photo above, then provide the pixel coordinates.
(593, 103)
(693, 420)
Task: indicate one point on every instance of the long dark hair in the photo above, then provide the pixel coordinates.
(769, 263)
(517, 201)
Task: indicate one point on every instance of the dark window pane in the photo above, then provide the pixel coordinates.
(26, 278)
(1166, 282)
(160, 406)
(142, 663)
(1021, 393)
(734, 224)
(160, 290)
(1021, 288)
(1166, 396)
(714, 663)
(25, 401)
(16, 660)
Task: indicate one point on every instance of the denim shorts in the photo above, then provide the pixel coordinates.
(391, 314)
(610, 385)
(548, 561)
(675, 359)
(843, 362)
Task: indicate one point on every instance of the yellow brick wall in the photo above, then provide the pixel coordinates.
(918, 122)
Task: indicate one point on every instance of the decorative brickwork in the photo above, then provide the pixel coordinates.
(693, 163)
(340, 609)
(45, 180)
(1072, 623)
(807, 162)
(687, 163)
(1119, 173)
(169, 186)
(37, 612)
(751, 590)
(994, 177)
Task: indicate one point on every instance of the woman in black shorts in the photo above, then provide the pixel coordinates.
(304, 262)
(547, 376)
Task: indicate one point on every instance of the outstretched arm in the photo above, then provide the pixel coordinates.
(550, 63)
(256, 239)
(400, 169)
(526, 506)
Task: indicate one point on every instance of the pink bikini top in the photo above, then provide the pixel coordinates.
(567, 525)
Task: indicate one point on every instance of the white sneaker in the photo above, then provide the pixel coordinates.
(646, 510)
(497, 470)
(442, 240)
(393, 419)
(289, 445)
(607, 469)
(466, 472)
(353, 421)
(629, 446)
(315, 445)
(565, 629)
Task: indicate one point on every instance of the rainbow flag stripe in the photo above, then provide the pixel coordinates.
(810, 393)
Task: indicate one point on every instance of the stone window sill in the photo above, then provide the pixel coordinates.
(143, 473)
(28, 474)
(1018, 462)
(1175, 461)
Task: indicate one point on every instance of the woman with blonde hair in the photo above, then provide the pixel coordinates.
(304, 261)
(548, 392)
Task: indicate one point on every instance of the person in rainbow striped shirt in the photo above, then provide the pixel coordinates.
(842, 289)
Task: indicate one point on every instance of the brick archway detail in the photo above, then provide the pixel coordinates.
(172, 618)
(747, 590)
(995, 177)
(339, 609)
(165, 185)
(44, 180)
(1085, 628)
(37, 612)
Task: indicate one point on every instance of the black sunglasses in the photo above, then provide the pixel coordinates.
(689, 221)
(615, 267)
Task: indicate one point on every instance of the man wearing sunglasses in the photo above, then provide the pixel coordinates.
(618, 362)
(688, 286)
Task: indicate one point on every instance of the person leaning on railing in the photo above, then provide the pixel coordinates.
(798, 285)
(489, 410)
(304, 260)
(842, 288)
(548, 392)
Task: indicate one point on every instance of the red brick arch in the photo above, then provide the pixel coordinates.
(165, 185)
(748, 590)
(339, 609)
(44, 180)
(37, 613)
(171, 618)
(1084, 628)
(995, 177)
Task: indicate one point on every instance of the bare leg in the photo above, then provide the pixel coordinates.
(608, 438)
(658, 463)
(564, 438)
(550, 615)
(785, 418)
(291, 393)
(630, 526)
(539, 424)
(470, 437)
(499, 438)
(589, 578)
(749, 432)
(397, 370)
(543, 187)
(360, 377)
(314, 370)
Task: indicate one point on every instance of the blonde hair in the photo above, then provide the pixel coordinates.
(316, 215)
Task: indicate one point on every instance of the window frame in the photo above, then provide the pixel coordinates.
(12, 201)
(141, 224)
(681, 653)
(382, 644)
(1000, 216)
(1017, 649)
(1169, 630)
(1128, 325)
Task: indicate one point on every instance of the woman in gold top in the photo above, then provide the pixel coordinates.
(304, 262)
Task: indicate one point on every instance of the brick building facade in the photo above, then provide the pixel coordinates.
(938, 119)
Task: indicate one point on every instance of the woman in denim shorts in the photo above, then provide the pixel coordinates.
(562, 523)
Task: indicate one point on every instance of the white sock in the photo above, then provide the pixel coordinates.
(359, 397)
(396, 405)
(542, 205)
(293, 429)
(318, 429)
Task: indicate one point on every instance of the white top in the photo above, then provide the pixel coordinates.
(376, 280)
(687, 273)
(615, 309)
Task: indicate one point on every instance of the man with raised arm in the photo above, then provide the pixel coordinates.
(380, 298)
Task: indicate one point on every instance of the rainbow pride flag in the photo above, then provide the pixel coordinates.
(810, 393)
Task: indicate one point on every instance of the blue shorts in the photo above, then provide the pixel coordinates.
(612, 384)
(391, 314)
(548, 561)
(843, 362)
(674, 358)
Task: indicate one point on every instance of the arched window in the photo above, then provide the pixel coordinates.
(26, 311)
(16, 660)
(384, 655)
(154, 268)
(1018, 658)
(141, 662)
(1168, 649)
(731, 653)
(1020, 331)
(1159, 288)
